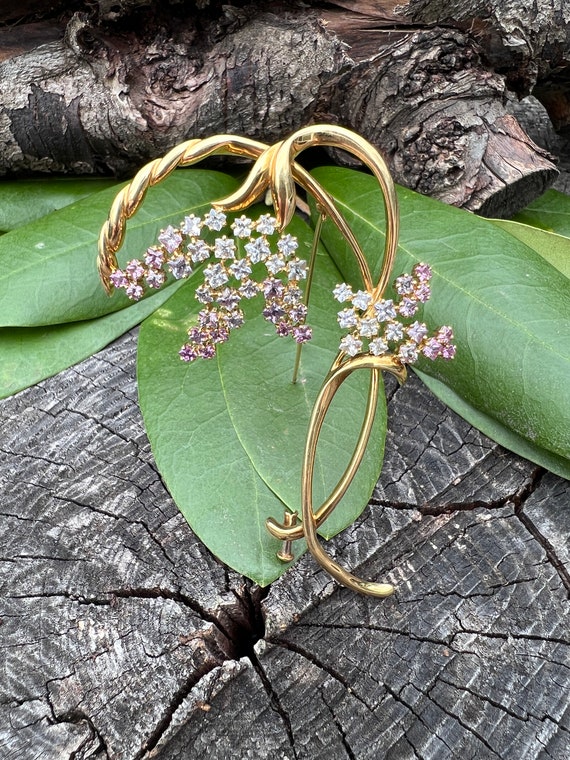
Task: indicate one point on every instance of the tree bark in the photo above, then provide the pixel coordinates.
(108, 96)
(124, 639)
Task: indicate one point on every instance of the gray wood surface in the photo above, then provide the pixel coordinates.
(122, 638)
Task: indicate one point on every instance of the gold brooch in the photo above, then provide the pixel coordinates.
(257, 257)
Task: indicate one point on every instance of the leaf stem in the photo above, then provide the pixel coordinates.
(312, 260)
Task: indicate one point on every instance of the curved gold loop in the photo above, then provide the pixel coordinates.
(338, 137)
(328, 390)
(275, 168)
(292, 533)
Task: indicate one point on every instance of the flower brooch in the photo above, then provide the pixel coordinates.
(246, 259)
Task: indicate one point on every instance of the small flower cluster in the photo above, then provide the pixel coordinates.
(228, 277)
(385, 324)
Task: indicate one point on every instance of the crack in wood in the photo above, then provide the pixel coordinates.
(155, 735)
(397, 697)
(275, 701)
(341, 732)
(515, 499)
(548, 548)
(484, 698)
(510, 635)
(445, 642)
(77, 716)
(427, 694)
(318, 663)
(491, 588)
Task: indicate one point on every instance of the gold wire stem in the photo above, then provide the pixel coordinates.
(311, 270)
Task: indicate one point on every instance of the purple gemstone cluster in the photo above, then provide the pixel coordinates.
(229, 276)
(386, 326)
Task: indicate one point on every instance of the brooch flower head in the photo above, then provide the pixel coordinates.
(250, 260)
(385, 325)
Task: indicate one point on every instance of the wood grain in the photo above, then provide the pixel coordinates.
(122, 638)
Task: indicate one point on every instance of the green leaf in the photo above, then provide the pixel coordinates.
(552, 247)
(23, 201)
(493, 429)
(550, 212)
(228, 434)
(48, 272)
(30, 354)
(510, 310)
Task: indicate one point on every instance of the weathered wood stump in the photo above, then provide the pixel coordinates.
(123, 638)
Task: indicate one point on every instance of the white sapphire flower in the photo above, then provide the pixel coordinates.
(224, 248)
(240, 269)
(342, 292)
(192, 225)
(347, 318)
(257, 250)
(292, 294)
(249, 289)
(215, 220)
(361, 300)
(215, 275)
(180, 268)
(199, 251)
(242, 227)
(408, 353)
(404, 284)
(378, 346)
(405, 342)
(417, 331)
(297, 269)
(287, 244)
(351, 345)
(275, 264)
(394, 331)
(368, 328)
(266, 224)
(385, 310)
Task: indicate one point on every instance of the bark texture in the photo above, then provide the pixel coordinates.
(122, 638)
(107, 94)
(528, 41)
